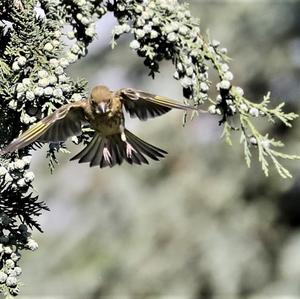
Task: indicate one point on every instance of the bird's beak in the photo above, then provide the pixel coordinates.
(102, 107)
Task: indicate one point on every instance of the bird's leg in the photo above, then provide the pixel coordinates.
(123, 136)
(129, 147)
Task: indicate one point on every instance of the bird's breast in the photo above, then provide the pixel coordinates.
(107, 124)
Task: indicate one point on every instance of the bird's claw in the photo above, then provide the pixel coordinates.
(129, 147)
(129, 150)
(107, 155)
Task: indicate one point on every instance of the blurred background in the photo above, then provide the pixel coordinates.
(199, 224)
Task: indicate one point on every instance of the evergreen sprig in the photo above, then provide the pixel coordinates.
(33, 84)
(165, 30)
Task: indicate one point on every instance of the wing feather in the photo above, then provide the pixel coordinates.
(146, 105)
(58, 126)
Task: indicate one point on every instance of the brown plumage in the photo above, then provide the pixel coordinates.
(111, 143)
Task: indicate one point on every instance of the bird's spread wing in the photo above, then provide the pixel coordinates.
(58, 126)
(146, 105)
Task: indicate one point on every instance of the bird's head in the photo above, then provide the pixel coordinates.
(100, 99)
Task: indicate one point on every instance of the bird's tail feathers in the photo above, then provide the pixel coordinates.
(112, 150)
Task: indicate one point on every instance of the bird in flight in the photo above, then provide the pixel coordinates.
(102, 111)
